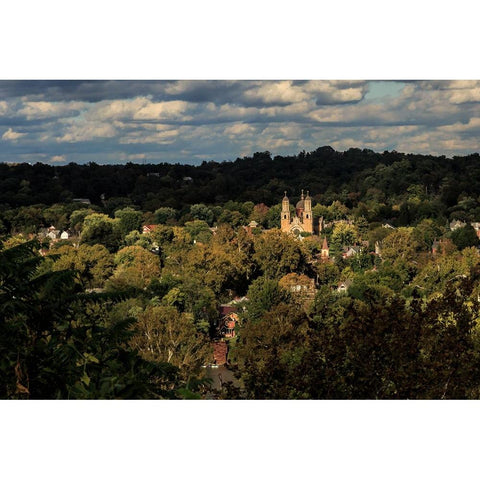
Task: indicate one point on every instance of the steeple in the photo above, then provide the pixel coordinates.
(285, 215)
(325, 250)
(307, 213)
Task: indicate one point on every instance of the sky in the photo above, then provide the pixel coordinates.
(188, 121)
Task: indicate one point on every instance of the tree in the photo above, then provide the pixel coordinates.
(344, 234)
(94, 264)
(77, 218)
(198, 229)
(135, 267)
(55, 342)
(163, 334)
(163, 214)
(263, 295)
(464, 237)
(100, 228)
(425, 233)
(337, 211)
(129, 220)
(400, 243)
(272, 352)
(199, 211)
(277, 254)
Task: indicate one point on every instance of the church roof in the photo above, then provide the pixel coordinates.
(325, 244)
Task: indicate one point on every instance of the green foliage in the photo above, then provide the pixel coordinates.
(263, 295)
(464, 237)
(56, 342)
(163, 214)
(163, 334)
(277, 254)
(200, 211)
(94, 264)
(100, 228)
(129, 220)
(198, 229)
(405, 328)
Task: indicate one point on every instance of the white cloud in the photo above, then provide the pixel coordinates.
(58, 159)
(465, 95)
(87, 131)
(472, 125)
(337, 92)
(12, 136)
(139, 108)
(283, 92)
(3, 107)
(116, 109)
(238, 129)
(39, 110)
(162, 138)
(163, 111)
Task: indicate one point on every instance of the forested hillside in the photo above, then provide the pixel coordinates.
(352, 177)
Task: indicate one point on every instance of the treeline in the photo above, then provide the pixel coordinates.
(356, 177)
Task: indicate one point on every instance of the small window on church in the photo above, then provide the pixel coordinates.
(307, 215)
(284, 216)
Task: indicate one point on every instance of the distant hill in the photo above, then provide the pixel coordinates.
(352, 176)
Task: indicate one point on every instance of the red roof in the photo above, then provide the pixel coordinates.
(226, 309)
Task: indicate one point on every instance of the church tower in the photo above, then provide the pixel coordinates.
(307, 214)
(285, 219)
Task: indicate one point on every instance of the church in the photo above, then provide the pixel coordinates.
(302, 221)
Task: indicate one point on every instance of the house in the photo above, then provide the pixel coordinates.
(476, 227)
(227, 320)
(64, 235)
(250, 227)
(148, 228)
(454, 224)
(387, 225)
(343, 287)
(238, 300)
(351, 251)
(301, 287)
(53, 233)
(85, 201)
(226, 326)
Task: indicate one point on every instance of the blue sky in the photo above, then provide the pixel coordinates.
(58, 122)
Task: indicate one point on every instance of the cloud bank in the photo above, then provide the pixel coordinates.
(190, 121)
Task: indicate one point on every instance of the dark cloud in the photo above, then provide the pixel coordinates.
(190, 121)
